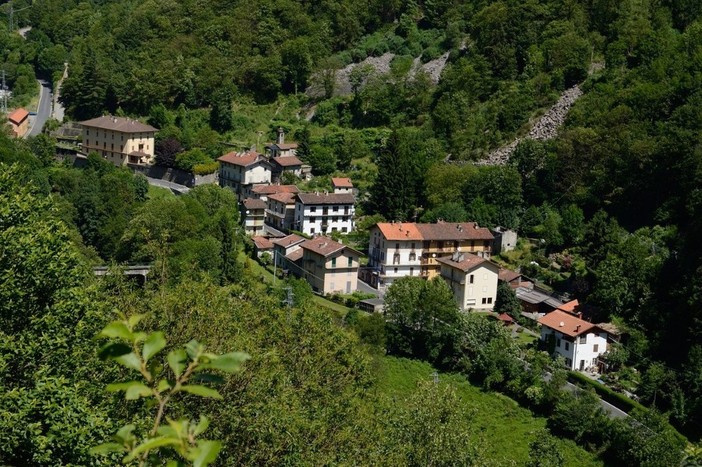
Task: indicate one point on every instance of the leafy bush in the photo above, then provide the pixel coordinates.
(616, 399)
(207, 168)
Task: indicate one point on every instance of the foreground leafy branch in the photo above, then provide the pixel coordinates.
(135, 350)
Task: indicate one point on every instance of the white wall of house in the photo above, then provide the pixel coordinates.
(581, 352)
(475, 289)
(394, 259)
(327, 218)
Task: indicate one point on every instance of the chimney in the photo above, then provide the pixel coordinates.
(281, 136)
(580, 314)
(561, 324)
(577, 328)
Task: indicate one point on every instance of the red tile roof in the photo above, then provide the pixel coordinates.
(243, 159)
(507, 275)
(254, 203)
(566, 323)
(467, 261)
(262, 243)
(399, 231)
(282, 146)
(270, 189)
(323, 246)
(294, 255)
(570, 306)
(124, 125)
(505, 318)
(17, 116)
(454, 231)
(341, 182)
(285, 198)
(288, 161)
(290, 240)
(439, 231)
(328, 198)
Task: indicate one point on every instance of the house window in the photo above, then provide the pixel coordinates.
(333, 262)
(396, 258)
(567, 345)
(595, 347)
(397, 246)
(470, 279)
(582, 340)
(558, 343)
(484, 300)
(313, 219)
(344, 229)
(411, 271)
(569, 363)
(395, 270)
(312, 230)
(87, 132)
(489, 300)
(350, 262)
(335, 209)
(313, 209)
(412, 256)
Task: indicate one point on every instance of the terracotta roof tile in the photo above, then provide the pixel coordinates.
(254, 203)
(271, 189)
(399, 231)
(262, 243)
(566, 323)
(329, 198)
(294, 255)
(467, 261)
(288, 161)
(124, 125)
(323, 246)
(243, 159)
(17, 116)
(290, 240)
(507, 275)
(341, 182)
(570, 306)
(454, 231)
(286, 198)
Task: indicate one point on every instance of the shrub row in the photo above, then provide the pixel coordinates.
(616, 399)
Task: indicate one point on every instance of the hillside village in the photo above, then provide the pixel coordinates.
(328, 230)
(293, 230)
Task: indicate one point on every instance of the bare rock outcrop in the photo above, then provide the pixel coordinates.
(545, 127)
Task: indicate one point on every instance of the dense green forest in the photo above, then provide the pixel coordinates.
(615, 198)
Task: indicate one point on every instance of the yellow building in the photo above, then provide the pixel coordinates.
(119, 140)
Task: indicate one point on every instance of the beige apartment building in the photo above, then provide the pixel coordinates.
(329, 266)
(473, 280)
(120, 140)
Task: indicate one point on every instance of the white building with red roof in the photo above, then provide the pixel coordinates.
(472, 278)
(578, 341)
(399, 249)
(342, 185)
(323, 213)
(241, 171)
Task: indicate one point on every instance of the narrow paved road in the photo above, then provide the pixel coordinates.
(43, 109)
(174, 187)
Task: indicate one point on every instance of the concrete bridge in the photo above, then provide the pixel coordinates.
(138, 270)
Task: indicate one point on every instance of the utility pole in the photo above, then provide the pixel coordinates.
(4, 93)
(289, 301)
